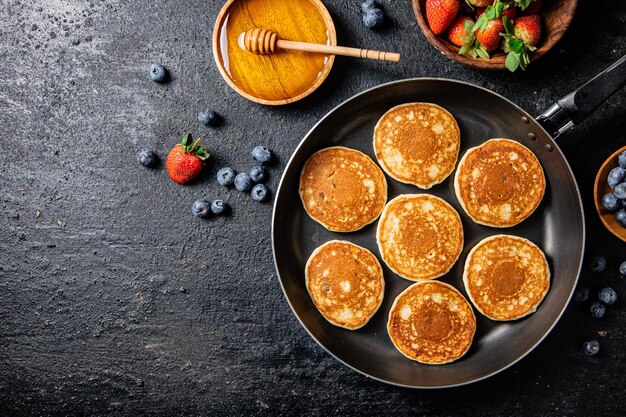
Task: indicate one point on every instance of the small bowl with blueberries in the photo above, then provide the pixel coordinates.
(610, 193)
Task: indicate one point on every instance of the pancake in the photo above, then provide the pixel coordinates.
(431, 322)
(417, 143)
(506, 277)
(419, 236)
(342, 189)
(345, 282)
(499, 183)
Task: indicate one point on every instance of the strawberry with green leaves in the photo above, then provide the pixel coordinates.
(460, 34)
(508, 12)
(185, 160)
(489, 37)
(440, 14)
(457, 31)
(491, 13)
(520, 38)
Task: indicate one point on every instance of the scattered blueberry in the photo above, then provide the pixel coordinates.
(622, 268)
(368, 5)
(243, 182)
(257, 173)
(373, 18)
(209, 118)
(262, 154)
(581, 295)
(608, 296)
(598, 263)
(146, 157)
(597, 310)
(226, 177)
(610, 202)
(591, 348)
(621, 159)
(620, 216)
(201, 208)
(157, 73)
(218, 207)
(616, 175)
(620, 190)
(260, 192)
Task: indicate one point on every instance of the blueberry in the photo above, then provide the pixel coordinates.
(262, 154)
(608, 296)
(373, 18)
(622, 268)
(368, 5)
(218, 207)
(260, 192)
(620, 216)
(621, 159)
(146, 157)
(157, 73)
(226, 177)
(597, 310)
(598, 263)
(209, 118)
(620, 190)
(616, 175)
(201, 208)
(610, 202)
(243, 182)
(581, 295)
(591, 348)
(257, 173)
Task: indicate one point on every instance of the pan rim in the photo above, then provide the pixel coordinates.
(555, 147)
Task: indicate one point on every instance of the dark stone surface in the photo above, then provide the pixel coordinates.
(115, 300)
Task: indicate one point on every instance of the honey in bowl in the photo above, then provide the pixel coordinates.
(284, 76)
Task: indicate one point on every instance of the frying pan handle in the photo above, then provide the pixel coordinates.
(574, 107)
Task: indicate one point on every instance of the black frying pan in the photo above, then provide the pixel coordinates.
(557, 226)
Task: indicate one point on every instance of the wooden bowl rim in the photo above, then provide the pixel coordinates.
(602, 212)
(496, 63)
(332, 37)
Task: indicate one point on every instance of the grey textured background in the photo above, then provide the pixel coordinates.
(115, 300)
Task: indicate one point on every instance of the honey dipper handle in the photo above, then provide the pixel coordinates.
(338, 50)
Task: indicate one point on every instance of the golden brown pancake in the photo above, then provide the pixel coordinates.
(431, 322)
(417, 143)
(506, 277)
(499, 183)
(342, 189)
(345, 282)
(419, 236)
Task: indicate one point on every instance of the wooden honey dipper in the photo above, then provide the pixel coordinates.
(263, 42)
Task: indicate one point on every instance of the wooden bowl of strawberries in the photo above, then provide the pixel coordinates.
(494, 34)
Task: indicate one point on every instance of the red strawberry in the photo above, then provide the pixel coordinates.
(490, 36)
(184, 162)
(528, 29)
(517, 40)
(440, 13)
(457, 31)
(534, 8)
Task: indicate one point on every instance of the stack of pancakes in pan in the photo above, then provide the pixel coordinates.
(420, 236)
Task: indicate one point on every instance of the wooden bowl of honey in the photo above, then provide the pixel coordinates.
(282, 77)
